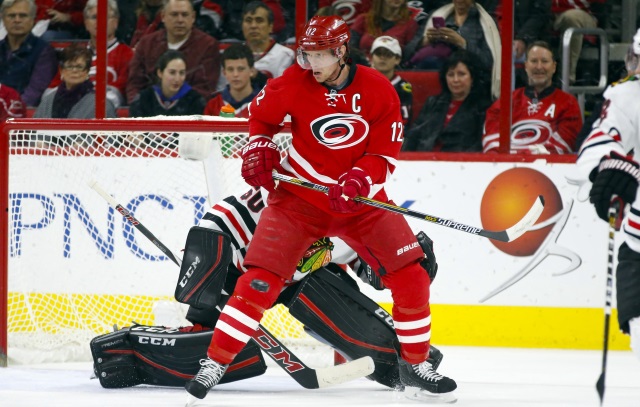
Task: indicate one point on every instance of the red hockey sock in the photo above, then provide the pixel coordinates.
(255, 292)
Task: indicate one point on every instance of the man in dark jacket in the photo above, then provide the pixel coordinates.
(27, 63)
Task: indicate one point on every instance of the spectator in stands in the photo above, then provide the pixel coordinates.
(65, 20)
(200, 50)
(466, 25)
(271, 58)
(532, 21)
(576, 14)
(234, 14)
(27, 63)
(453, 120)
(386, 17)
(386, 54)
(171, 96)
(74, 98)
(149, 20)
(545, 120)
(11, 105)
(237, 68)
(118, 54)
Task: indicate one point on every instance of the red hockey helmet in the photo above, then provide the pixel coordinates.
(324, 33)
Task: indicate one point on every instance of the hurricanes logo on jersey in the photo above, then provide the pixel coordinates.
(339, 130)
(529, 132)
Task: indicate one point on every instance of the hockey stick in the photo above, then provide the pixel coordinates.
(614, 210)
(507, 235)
(307, 377)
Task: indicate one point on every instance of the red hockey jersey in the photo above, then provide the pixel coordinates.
(546, 123)
(333, 130)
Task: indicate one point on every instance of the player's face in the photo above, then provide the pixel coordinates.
(91, 23)
(178, 18)
(256, 26)
(322, 63)
(172, 77)
(238, 73)
(459, 81)
(384, 60)
(17, 19)
(540, 67)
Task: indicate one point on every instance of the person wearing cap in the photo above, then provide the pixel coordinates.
(386, 55)
(347, 132)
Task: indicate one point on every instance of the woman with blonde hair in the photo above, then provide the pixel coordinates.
(386, 17)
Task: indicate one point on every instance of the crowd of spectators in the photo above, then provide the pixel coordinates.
(175, 57)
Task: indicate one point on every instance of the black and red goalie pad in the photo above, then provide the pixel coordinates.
(203, 272)
(160, 356)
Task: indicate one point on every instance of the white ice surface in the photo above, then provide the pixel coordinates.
(486, 377)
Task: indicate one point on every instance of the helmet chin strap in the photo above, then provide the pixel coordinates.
(339, 72)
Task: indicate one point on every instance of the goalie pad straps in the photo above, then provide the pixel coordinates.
(203, 272)
(327, 304)
(160, 356)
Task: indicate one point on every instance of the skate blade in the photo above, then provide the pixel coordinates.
(191, 400)
(423, 396)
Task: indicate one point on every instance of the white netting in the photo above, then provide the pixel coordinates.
(76, 267)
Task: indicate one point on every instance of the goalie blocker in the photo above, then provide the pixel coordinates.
(327, 302)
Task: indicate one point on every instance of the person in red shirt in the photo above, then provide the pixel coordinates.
(545, 120)
(347, 133)
(237, 68)
(11, 105)
(64, 17)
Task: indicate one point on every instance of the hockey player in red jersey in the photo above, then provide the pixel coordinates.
(545, 119)
(347, 133)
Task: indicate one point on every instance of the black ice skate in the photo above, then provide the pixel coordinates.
(209, 375)
(423, 383)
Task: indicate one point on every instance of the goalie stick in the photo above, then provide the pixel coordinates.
(507, 235)
(306, 376)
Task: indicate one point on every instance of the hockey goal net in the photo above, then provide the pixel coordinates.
(73, 267)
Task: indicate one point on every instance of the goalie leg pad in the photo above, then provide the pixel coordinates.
(204, 267)
(161, 356)
(348, 320)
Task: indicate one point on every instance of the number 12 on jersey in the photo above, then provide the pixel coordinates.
(397, 132)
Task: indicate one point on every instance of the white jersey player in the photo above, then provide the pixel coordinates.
(607, 159)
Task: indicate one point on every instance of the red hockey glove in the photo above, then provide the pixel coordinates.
(259, 157)
(616, 175)
(354, 182)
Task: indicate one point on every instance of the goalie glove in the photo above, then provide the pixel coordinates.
(615, 175)
(259, 158)
(355, 182)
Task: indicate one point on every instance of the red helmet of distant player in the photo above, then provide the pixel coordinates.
(323, 33)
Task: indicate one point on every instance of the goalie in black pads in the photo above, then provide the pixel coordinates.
(322, 296)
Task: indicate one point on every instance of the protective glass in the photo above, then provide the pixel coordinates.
(317, 59)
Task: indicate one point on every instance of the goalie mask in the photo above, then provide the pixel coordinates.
(321, 44)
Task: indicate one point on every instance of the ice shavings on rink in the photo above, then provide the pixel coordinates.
(487, 377)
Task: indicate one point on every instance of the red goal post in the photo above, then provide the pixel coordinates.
(71, 268)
